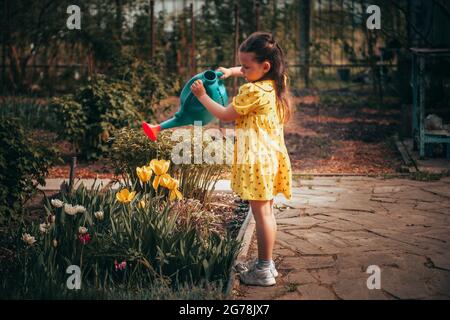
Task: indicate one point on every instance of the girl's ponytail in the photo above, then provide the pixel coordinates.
(265, 48)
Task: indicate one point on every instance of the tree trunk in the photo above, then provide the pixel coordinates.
(119, 17)
(304, 32)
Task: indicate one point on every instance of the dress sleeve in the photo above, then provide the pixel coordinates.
(249, 98)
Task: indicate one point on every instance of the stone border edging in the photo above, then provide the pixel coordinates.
(406, 157)
(245, 235)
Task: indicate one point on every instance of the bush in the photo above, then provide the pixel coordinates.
(146, 79)
(88, 118)
(23, 162)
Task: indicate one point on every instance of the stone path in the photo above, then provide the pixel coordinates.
(333, 229)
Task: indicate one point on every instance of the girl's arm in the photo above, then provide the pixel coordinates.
(230, 72)
(225, 114)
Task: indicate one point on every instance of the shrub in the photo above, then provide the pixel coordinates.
(23, 162)
(124, 99)
(87, 118)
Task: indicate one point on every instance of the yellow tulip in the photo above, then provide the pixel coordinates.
(165, 180)
(144, 173)
(125, 196)
(141, 204)
(160, 168)
(172, 185)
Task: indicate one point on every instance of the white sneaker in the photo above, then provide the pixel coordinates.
(258, 277)
(240, 267)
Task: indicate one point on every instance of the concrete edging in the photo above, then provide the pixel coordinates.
(406, 157)
(245, 235)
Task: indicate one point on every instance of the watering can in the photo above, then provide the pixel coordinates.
(191, 109)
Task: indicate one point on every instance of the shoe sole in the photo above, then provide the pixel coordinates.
(240, 269)
(268, 284)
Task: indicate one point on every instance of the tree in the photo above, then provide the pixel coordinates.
(304, 32)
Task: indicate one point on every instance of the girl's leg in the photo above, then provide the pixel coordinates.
(266, 227)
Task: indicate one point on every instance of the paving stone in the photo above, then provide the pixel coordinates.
(280, 253)
(439, 283)
(325, 276)
(290, 296)
(356, 289)
(439, 206)
(441, 261)
(440, 191)
(354, 235)
(293, 203)
(383, 199)
(418, 194)
(303, 222)
(299, 277)
(388, 189)
(307, 262)
(341, 225)
(324, 241)
(289, 213)
(404, 285)
(315, 191)
(328, 182)
(315, 292)
(441, 234)
(300, 245)
(352, 205)
(266, 293)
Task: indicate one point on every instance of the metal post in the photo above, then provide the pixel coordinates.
(5, 33)
(421, 106)
(73, 165)
(236, 44)
(193, 67)
(257, 27)
(152, 29)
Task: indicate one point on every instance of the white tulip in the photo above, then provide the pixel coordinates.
(70, 210)
(57, 203)
(80, 209)
(28, 239)
(44, 227)
(99, 215)
(82, 230)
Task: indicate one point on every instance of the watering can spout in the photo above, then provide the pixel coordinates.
(191, 110)
(151, 130)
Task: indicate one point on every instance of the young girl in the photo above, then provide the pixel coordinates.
(261, 165)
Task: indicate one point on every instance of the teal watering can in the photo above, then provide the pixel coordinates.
(191, 109)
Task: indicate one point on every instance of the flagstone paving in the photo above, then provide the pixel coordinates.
(333, 229)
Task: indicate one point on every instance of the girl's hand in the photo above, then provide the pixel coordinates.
(198, 89)
(226, 72)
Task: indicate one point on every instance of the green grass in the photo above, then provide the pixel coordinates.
(428, 176)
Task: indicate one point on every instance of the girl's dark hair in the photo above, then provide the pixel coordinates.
(265, 48)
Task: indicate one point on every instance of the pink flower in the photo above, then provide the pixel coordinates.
(84, 238)
(120, 266)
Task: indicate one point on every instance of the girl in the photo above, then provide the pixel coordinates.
(261, 166)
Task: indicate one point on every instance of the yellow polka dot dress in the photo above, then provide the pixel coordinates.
(261, 166)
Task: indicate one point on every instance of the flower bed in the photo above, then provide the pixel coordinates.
(143, 236)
